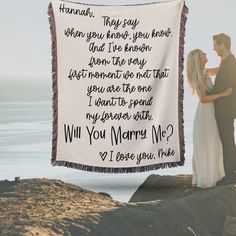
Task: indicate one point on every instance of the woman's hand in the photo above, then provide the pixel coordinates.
(212, 71)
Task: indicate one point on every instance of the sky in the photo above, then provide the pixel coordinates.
(25, 40)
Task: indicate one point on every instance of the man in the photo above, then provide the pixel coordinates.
(225, 107)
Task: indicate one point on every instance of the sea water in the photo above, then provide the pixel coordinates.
(25, 141)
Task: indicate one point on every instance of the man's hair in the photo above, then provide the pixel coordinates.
(223, 38)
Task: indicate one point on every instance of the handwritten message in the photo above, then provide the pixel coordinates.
(115, 85)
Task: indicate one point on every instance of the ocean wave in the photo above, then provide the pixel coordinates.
(34, 125)
(44, 147)
(25, 103)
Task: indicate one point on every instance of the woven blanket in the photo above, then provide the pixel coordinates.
(117, 85)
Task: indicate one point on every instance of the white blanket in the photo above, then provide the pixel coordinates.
(117, 85)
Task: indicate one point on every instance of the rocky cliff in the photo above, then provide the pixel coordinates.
(162, 205)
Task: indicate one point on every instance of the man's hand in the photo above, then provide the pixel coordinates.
(227, 92)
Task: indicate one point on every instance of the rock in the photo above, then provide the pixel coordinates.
(162, 205)
(202, 210)
(17, 179)
(163, 187)
(105, 194)
(49, 207)
(230, 226)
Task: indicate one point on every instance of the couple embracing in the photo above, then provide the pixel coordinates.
(214, 150)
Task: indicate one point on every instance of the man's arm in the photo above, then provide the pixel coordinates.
(221, 81)
(210, 98)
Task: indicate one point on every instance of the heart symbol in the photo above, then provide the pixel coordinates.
(103, 155)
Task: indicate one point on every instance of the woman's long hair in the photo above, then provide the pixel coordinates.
(194, 73)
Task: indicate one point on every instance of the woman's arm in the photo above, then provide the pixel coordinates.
(210, 98)
(212, 71)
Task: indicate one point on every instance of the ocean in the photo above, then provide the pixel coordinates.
(25, 141)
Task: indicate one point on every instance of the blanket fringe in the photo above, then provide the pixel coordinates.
(115, 170)
(54, 82)
(54, 162)
(181, 84)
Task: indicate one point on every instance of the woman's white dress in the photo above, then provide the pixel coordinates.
(207, 162)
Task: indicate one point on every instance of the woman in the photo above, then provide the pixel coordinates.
(207, 162)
